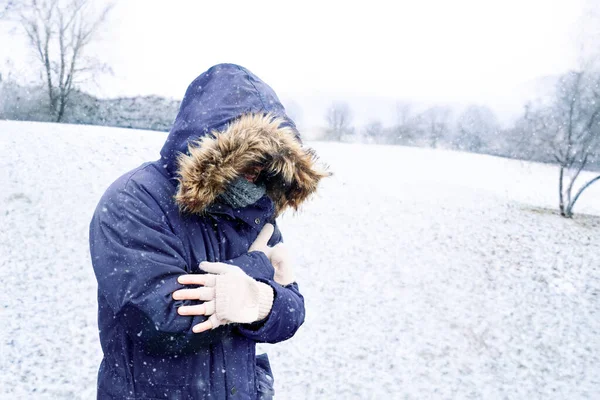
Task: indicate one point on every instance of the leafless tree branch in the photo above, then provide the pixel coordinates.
(58, 32)
(571, 126)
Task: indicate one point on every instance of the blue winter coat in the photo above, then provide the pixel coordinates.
(162, 219)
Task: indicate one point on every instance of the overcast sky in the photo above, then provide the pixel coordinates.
(457, 51)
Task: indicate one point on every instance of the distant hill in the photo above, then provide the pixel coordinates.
(25, 103)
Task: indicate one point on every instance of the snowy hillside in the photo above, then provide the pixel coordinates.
(427, 274)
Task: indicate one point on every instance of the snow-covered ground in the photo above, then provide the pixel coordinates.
(427, 274)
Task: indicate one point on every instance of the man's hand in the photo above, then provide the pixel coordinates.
(229, 294)
(278, 255)
(206, 294)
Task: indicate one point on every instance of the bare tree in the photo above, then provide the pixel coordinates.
(403, 112)
(523, 141)
(434, 124)
(58, 32)
(339, 118)
(374, 130)
(402, 132)
(570, 126)
(476, 129)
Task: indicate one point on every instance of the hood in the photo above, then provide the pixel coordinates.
(229, 121)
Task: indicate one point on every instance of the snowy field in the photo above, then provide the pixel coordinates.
(427, 274)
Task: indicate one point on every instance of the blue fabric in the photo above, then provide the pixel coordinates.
(214, 99)
(140, 243)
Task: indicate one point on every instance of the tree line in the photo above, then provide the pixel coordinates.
(562, 129)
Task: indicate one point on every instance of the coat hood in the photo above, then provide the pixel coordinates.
(229, 121)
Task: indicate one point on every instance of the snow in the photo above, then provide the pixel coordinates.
(427, 274)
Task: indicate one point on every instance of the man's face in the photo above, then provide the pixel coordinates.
(252, 173)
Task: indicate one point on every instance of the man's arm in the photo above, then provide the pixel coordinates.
(264, 310)
(232, 294)
(137, 260)
(287, 312)
(286, 316)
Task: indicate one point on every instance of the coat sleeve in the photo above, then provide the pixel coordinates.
(137, 260)
(287, 313)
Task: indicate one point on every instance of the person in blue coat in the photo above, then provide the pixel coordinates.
(190, 264)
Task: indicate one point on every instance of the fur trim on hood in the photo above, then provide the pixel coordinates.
(291, 173)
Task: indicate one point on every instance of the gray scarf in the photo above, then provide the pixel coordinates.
(241, 193)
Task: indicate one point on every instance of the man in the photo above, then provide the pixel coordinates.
(186, 284)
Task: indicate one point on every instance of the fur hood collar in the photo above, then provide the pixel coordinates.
(291, 172)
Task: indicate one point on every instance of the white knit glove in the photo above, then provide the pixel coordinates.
(229, 294)
(238, 297)
(278, 255)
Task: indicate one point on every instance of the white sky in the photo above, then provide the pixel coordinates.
(457, 51)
